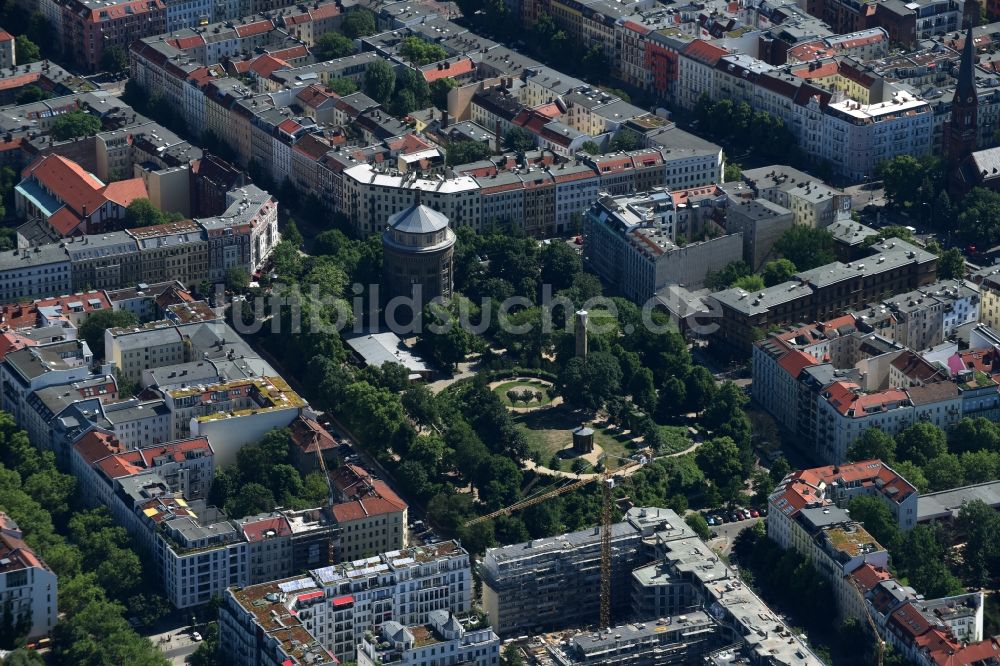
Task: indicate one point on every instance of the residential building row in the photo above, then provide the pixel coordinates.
(807, 513)
(196, 551)
(87, 31)
(829, 382)
(891, 267)
(283, 125)
(334, 612)
(194, 251)
(645, 242)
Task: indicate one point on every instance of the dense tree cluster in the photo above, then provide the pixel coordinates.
(74, 125)
(264, 477)
(806, 247)
(419, 52)
(739, 128)
(917, 556)
(463, 152)
(931, 459)
(333, 45)
(142, 213)
(100, 576)
(91, 329)
(401, 93)
(359, 23)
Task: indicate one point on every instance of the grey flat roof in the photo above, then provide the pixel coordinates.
(947, 503)
(379, 348)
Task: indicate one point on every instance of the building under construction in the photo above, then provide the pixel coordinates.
(661, 572)
(556, 582)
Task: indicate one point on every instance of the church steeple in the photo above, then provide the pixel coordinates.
(963, 128)
(966, 90)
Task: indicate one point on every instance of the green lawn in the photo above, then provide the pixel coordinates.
(550, 430)
(521, 385)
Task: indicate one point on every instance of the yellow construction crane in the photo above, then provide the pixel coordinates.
(879, 643)
(607, 484)
(607, 479)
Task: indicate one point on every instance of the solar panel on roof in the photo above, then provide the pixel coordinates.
(296, 585)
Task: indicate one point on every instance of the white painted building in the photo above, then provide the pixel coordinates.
(444, 640)
(335, 606)
(28, 588)
(856, 137)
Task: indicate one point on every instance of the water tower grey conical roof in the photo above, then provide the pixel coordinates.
(418, 219)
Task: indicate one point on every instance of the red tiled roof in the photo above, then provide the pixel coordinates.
(266, 65)
(116, 466)
(367, 496)
(19, 81)
(795, 361)
(464, 66)
(84, 298)
(64, 222)
(68, 181)
(188, 42)
(407, 143)
(18, 315)
(13, 144)
(635, 27)
(867, 577)
(910, 620)
(256, 28)
(844, 398)
(328, 10)
(174, 450)
(980, 653)
(12, 341)
(96, 445)
(102, 13)
(124, 192)
(346, 512)
(310, 436)
(314, 95)
(705, 52)
(289, 126)
(6, 36)
(258, 531)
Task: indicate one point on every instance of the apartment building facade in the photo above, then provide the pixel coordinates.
(29, 590)
(335, 606)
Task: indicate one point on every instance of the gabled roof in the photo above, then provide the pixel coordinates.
(435, 72)
(795, 361)
(67, 180)
(124, 192)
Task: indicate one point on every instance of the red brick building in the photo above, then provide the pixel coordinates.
(90, 27)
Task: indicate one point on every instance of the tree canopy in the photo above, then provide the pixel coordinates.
(92, 328)
(380, 81)
(420, 52)
(75, 124)
(359, 23)
(806, 247)
(333, 45)
(142, 213)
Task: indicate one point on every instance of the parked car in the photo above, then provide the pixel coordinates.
(710, 520)
(734, 517)
(196, 637)
(720, 519)
(754, 513)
